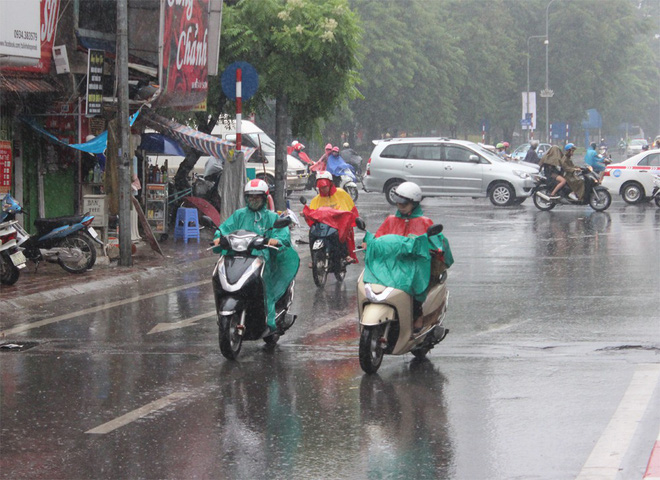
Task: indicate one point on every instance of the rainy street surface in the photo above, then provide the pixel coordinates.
(550, 370)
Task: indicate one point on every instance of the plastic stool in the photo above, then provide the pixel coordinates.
(187, 224)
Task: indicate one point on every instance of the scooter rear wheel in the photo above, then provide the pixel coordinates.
(229, 337)
(85, 245)
(319, 267)
(353, 192)
(541, 204)
(9, 272)
(371, 351)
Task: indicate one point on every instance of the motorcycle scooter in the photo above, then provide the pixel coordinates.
(12, 259)
(655, 195)
(237, 287)
(348, 183)
(326, 251)
(595, 195)
(64, 240)
(386, 317)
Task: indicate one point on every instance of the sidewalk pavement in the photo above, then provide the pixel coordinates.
(50, 282)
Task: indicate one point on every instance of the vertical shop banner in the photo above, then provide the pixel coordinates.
(184, 37)
(94, 82)
(5, 167)
(49, 12)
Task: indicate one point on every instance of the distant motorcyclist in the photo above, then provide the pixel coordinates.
(337, 166)
(297, 152)
(575, 183)
(531, 156)
(351, 157)
(282, 265)
(594, 160)
(409, 221)
(319, 166)
(551, 166)
(332, 198)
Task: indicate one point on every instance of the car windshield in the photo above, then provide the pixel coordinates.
(484, 152)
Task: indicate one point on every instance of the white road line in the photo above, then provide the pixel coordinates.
(188, 322)
(605, 459)
(139, 413)
(67, 316)
(340, 322)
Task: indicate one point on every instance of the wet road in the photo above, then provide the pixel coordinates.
(550, 369)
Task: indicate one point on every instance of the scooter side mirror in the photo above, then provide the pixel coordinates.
(434, 229)
(303, 200)
(359, 223)
(282, 222)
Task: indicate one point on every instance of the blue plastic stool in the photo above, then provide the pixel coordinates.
(187, 224)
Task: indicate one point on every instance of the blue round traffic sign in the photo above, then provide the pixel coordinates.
(249, 80)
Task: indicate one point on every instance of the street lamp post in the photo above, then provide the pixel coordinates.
(547, 105)
(529, 127)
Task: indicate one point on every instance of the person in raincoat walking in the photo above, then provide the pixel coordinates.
(281, 265)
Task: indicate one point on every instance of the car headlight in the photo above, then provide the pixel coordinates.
(521, 174)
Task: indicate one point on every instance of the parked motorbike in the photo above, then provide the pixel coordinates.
(595, 195)
(68, 241)
(655, 195)
(327, 253)
(386, 318)
(12, 259)
(238, 288)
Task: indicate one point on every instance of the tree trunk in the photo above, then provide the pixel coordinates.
(281, 122)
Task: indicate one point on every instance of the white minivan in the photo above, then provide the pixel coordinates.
(262, 161)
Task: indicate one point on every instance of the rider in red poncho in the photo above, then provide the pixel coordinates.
(334, 207)
(409, 221)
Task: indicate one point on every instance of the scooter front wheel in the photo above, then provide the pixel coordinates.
(71, 261)
(600, 200)
(371, 350)
(319, 267)
(229, 335)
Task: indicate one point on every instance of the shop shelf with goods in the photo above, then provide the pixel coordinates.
(156, 207)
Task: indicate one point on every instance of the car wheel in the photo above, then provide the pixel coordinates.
(632, 193)
(501, 195)
(389, 191)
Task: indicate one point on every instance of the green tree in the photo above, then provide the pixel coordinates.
(305, 52)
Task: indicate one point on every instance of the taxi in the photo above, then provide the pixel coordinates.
(633, 178)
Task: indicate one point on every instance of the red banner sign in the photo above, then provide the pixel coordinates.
(185, 36)
(5, 167)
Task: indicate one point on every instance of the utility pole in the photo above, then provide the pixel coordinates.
(125, 256)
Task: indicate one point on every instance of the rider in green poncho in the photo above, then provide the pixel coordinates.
(282, 265)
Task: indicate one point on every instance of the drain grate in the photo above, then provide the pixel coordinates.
(16, 346)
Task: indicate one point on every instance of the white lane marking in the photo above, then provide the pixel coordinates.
(605, 459)
(29, 326)
(188, 322)
(139, 413)
(340, 322)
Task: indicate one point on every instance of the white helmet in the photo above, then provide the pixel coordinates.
(324, 175)
(346, 145)
(294, 143)
(407, 192)
(256, 187)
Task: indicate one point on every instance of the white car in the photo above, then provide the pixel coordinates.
(633, 178)
(635, 146)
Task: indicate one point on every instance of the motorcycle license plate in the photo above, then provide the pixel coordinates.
(18, 259)
(92, 232)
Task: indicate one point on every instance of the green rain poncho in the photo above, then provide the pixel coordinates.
(403, 262)
(280, 266)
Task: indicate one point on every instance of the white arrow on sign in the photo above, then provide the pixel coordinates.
(188, 322)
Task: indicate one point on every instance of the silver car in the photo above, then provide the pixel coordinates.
(444, 167)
